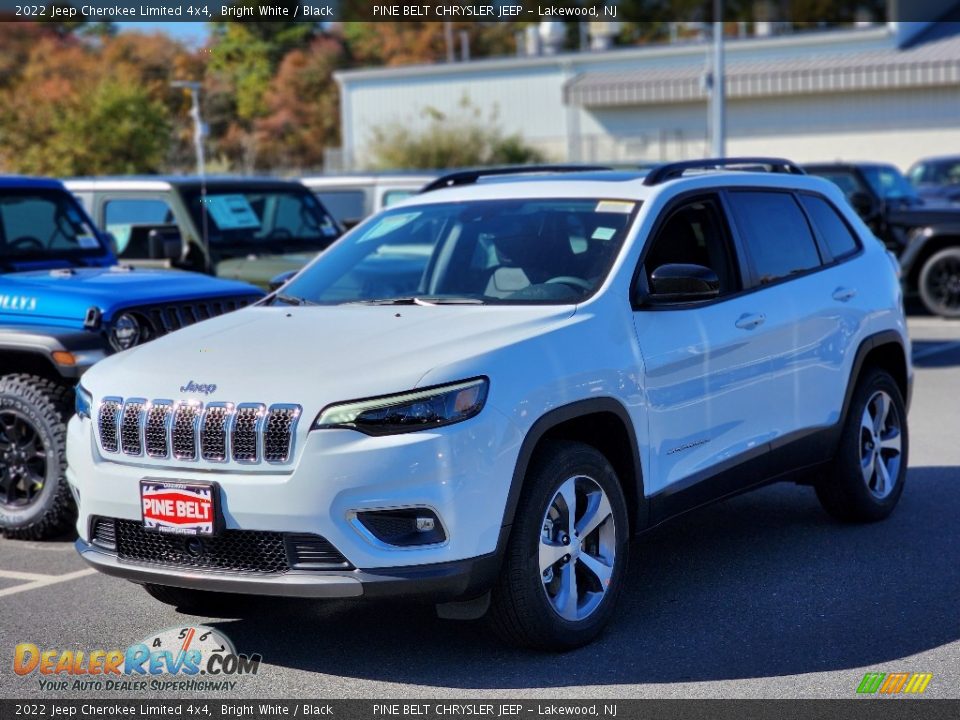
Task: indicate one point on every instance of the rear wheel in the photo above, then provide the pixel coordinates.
(868, 475)
(35, 502)
(939, 283)
(567, 553)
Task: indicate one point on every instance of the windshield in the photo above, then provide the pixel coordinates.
(889, 183)
(491, 251)
(940, 172)
(44, 225)
(258, 217)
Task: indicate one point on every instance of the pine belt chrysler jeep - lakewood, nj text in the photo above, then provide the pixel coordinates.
(480, 394)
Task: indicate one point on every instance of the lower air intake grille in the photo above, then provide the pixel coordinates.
(250, 551)
(312, 552)
(105, 533)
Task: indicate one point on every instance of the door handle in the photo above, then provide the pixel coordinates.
(842, 294)
(750, 321)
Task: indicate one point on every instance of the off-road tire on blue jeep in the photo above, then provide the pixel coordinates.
(33, 420)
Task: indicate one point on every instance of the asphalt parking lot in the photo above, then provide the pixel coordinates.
(761, 596)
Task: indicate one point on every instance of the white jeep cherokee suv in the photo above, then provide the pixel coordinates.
(480, 395)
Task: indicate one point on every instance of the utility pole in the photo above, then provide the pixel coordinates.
(199, 127)
(718, 110)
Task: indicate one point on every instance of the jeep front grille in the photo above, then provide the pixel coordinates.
(163, 319)
(245, 433)
(108, 420)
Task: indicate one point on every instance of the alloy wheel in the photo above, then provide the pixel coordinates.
(577, 548)
(943, 283)
(881, 445)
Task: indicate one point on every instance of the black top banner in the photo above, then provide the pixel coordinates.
(324, 11)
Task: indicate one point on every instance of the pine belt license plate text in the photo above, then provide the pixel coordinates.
(179, 508)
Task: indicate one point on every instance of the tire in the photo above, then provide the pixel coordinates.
(864, 486)
(196, 602)
(939, 283)
(35, 501)
(526, 602)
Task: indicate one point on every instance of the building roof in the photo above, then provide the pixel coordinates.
(928, 64)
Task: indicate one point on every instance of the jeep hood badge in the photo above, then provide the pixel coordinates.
(192, 387)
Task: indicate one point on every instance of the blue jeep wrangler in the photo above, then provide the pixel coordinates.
(64, 304)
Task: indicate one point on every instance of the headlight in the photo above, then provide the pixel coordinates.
(83, 402)
(419, 410)
(125, 332)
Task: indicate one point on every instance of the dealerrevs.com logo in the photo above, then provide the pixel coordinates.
(193, 658)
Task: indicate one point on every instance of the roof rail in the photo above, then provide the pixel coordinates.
(470, 177)
(671, 171)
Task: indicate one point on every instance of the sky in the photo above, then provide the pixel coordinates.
(194, 33)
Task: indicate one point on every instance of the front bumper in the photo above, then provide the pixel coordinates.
(440, 582)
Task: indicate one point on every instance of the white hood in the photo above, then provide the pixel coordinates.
(313, 356)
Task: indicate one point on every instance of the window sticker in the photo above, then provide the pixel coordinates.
(389, 224)
(615, 206)
(603, 233)
(87, 242)
(231, 212)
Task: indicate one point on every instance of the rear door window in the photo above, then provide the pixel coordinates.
(774, 229)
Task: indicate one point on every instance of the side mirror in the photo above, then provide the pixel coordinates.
(864, 204)
(278, 281)
(165, 243)
(680, 282)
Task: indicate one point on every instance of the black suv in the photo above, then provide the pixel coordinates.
(925, 235)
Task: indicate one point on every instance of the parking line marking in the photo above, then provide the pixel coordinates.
(15, 575)
(45, 582)
(936, 349)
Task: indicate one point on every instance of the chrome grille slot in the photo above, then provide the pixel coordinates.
(278, 432)
(213, 431)
(245, 437)
(184, 432)
(108, 421)
(221, 432)
(157, 428)
(131, 441)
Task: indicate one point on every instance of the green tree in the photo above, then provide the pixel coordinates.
(462, 140)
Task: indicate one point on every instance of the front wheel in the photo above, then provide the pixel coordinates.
(939, 283)
(567, 553)
(35, 502)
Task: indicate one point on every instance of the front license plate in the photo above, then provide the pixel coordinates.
(179, 508)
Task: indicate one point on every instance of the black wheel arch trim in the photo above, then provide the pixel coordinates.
(554, 418)
(867, 345)
(43, 341)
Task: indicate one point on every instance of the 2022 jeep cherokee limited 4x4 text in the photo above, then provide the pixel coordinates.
(64, 304)
(479, 395)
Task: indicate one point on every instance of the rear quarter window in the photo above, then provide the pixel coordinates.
(833, 230)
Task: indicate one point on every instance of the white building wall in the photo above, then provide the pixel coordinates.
(526, 96)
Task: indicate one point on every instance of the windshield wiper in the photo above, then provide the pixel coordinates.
(421, 300)
(292, 300)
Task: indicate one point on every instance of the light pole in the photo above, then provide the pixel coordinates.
(718, 110)
(199, 127)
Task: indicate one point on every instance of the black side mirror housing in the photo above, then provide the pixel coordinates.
(682, 282)
(165, 243)
(278, 281)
